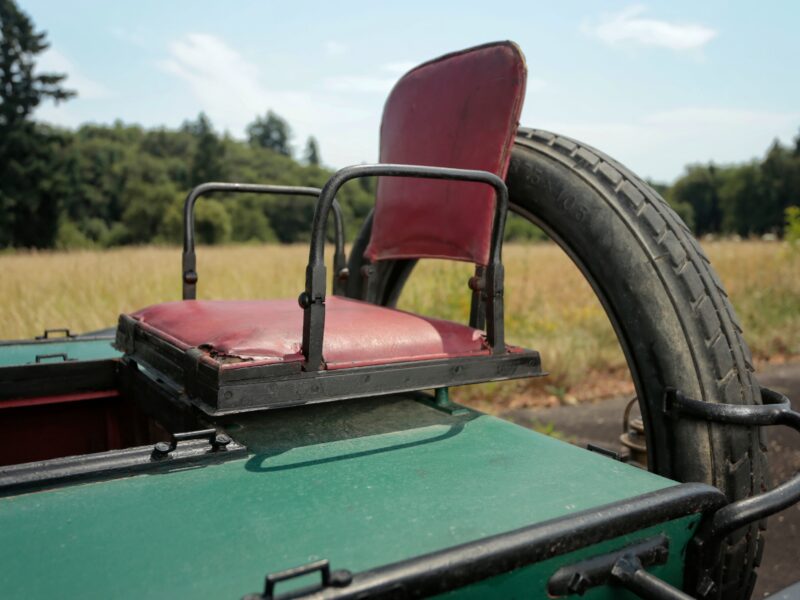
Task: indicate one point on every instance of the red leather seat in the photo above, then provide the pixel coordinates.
(459, 111)
(247, 333)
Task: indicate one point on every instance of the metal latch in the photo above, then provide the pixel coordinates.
(340, 578)
(217, 441)
(625, 568)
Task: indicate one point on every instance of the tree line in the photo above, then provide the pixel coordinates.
(110, 185)
(122, 184)
(750, 199)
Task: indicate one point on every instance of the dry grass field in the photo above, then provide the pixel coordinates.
(548, 304)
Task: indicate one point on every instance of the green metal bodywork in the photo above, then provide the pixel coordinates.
(361, 483)
(26, 352)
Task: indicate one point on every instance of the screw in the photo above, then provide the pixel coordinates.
(341, 578)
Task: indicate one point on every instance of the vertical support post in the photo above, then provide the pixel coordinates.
(495, 273)
(189, 278)
(369, 286)
(312, 301)
(477, 308)
(495, 335)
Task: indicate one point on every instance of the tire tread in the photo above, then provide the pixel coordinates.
(709, 306)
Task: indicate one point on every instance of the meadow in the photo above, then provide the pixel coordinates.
(549, 306)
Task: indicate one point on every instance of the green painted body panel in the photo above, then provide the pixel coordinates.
(361, 483)
(531, 582)
(25, 353)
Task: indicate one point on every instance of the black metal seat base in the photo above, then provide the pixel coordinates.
(217, 391)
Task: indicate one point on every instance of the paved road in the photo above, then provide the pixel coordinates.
(601, 423)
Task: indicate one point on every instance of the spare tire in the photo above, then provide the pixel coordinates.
(670, 312)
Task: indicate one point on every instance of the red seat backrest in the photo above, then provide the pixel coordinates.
(460, 110)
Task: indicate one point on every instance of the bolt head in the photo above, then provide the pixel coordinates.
(341, 578)
(222, 440)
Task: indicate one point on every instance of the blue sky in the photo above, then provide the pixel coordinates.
(656, 85)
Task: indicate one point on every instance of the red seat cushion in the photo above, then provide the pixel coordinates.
(460, 110)
(357, 334)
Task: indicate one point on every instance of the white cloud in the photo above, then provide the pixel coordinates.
(52, 61)
(630, 27)
(334, 48)
(661, 144)
(217, 75)
(231, 90)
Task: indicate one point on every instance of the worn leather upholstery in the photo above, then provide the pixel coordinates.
(357, 334)
(461, 110)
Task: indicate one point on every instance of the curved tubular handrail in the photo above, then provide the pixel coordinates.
(313, 298)
(775, 410)
(189, 259)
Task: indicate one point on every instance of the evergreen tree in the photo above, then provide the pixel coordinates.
(22, 90)
(311, 154)
(29, 193)
(208, 162)
(271, 132)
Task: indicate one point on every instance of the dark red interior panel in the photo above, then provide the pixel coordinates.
(45, 427)
(270, 331)
(461, 110)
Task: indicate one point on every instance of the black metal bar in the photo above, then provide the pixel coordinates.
(221, 392)
(56, 378)
(313, 297)
(775, 410)
(56, 472)
(630, 573)
(189, 260)
(602, 451)
(592, 572)
(459, 566)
